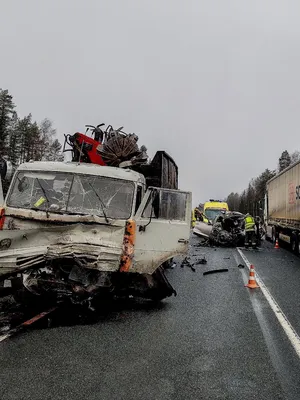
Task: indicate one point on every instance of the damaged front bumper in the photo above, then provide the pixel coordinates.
(77, 262)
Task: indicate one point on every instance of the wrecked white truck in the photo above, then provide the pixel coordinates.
(78, 231)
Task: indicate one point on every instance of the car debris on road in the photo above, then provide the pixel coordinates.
(213, 271)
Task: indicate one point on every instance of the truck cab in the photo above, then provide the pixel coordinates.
(77, 230)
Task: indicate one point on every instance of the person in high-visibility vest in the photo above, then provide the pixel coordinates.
(250, 231)
(193, 220)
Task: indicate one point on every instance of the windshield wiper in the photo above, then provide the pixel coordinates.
(101, 202)
(46, 197)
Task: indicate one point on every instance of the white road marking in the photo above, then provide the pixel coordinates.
(3, 337)
(282, 318)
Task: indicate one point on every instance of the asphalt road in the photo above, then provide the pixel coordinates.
(215, 340)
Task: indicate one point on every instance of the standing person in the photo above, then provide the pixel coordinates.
(250, 231)
(193, 219)
(257, 226)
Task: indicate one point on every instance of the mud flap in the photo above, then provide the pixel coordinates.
(161, 286)
(155, 287)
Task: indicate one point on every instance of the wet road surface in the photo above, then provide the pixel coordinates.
(215, 340)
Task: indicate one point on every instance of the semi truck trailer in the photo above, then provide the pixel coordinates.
(282, 207)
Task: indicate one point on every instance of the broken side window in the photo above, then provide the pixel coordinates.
(172, 205)
(138, 198)
(167, 205)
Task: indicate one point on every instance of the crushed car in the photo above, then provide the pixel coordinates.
(228, 230)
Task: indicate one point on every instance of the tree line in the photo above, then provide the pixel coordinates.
(22, 139)
(252, 198)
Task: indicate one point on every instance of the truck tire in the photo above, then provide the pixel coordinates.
(295, 244)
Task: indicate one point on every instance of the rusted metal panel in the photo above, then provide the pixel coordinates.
(128, 246)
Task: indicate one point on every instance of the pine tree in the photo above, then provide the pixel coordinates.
(243, 201)
(295, 156)
(47, 132)
(250, 198)
(25, 137)
(55, 153)
(233, 201)
(14, 140)
(260, 184)
(6, 111)
(284, 161)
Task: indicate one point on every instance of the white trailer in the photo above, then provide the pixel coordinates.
(282, 207)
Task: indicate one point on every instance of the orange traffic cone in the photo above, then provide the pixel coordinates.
(252, 282)
(276, 245)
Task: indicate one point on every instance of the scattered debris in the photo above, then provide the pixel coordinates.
(26, 323)
(241, 266)
(186, 262)
(212, 271)
(201, 261)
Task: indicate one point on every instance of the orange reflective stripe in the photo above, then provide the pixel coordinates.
(128, 246)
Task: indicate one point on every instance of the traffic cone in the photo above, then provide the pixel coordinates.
(252, 282)
(276, 245)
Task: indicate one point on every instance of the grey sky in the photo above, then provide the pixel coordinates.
(215, 83)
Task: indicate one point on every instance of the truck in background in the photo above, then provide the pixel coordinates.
(282, 207)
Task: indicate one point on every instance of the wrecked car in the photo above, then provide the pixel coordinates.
(78, 231)
(228, 229)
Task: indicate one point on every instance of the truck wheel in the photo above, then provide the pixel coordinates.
(295, 244)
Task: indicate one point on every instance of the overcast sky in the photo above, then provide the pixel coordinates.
(215, 83)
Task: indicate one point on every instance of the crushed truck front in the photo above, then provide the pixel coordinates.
(67, 219)
(65, 227)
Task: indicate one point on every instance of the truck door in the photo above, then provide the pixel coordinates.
(163, 223)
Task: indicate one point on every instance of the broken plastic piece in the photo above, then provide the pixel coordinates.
(201, 261)
(212, 271)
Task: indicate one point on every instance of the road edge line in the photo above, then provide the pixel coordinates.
(282, 318)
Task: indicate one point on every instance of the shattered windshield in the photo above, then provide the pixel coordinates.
(60, 192)
(212, 213)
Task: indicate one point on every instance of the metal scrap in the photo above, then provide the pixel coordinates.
(186, 262)
(26, 323)
(213, 271)
(201, 261)
(120, 148)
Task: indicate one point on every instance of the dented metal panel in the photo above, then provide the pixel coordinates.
(95, 246)
(161, 237)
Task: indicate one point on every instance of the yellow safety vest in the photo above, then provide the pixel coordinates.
(249, 224)
(193, 221)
